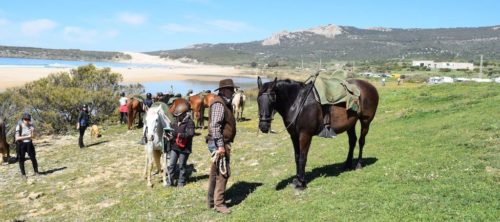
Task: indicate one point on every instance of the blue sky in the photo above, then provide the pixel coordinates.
(154, 25)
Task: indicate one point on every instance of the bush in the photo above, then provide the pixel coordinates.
(445, 70)
(54, 101)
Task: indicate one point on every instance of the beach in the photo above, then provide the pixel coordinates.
(172, 70)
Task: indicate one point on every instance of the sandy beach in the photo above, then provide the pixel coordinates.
(17, 76)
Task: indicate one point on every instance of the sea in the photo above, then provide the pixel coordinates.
(176, 86)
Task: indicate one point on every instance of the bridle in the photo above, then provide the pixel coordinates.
(271, 97)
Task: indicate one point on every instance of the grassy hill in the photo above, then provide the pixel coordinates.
(432, 154)
(351, 43)
(63, 54)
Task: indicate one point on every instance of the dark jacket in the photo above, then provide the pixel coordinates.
(185, 130)
(84, 119)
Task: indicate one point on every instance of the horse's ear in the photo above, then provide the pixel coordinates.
(274, 82)
(259, 82)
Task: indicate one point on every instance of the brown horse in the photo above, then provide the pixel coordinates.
(303, 117)
(4, 146)
(198, 109)
(198, 105)
(134, 109)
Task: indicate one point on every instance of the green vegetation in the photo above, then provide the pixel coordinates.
(55, 101)
(354, 44)
(432, 154)
(63, 54)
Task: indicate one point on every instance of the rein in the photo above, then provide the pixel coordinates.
(301, 106)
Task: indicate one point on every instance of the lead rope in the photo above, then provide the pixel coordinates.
(303, 101)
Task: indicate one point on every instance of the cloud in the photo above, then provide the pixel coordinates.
(4, 22)
(131, 18)
(177, 28)
(87, 36)
(35, 28)
(231, 26)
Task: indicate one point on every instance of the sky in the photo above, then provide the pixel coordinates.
(148, 25)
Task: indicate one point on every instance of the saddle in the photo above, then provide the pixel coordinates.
(331, 91)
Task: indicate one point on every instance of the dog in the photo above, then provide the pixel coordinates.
(94, 132)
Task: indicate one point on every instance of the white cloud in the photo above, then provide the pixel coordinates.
(35, 28)
(177, 28)
(227, 25)
(131, 18)
(87, 36)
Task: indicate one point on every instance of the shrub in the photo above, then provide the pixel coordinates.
(54, 101)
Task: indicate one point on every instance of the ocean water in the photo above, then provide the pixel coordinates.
(182, 86)
(52, 63)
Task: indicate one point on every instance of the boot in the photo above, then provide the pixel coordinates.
(222, 209)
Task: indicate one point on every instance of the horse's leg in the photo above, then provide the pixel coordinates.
(150, 165)
(351, 133)
(364, 131)
(146, 165)
(305, 143)
(296, 150)
(157, 155)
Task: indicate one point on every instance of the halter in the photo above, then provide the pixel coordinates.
(270, 96)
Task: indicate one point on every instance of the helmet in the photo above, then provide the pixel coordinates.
(27, 116)
(148, 95)
(190, 91)
(122, 94)
(180, 109)
(178, 95)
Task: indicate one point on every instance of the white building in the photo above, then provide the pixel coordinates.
(443, 65)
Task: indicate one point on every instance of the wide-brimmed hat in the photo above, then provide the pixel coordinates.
(226, 83)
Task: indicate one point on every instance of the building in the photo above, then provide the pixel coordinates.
(443, 65)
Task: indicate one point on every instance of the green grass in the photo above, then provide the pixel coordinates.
(432, 154)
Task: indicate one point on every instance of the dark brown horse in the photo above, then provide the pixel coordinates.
(303, 117)
(4, 146)
(134, 109)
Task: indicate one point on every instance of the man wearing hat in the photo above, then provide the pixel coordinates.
(221, 133)
(24, 138)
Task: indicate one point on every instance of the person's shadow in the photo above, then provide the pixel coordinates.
(97, 143)
(240, 191)
(331, 170)
(52, 170)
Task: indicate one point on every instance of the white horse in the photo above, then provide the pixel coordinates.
(239, 104)
(156, 120)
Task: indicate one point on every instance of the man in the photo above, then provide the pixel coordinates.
(24, 138)
(221, 133)
(148, 102)
(83, 123)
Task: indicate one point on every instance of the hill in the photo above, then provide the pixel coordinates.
(348, 43)
(432, 154)
(62, 54)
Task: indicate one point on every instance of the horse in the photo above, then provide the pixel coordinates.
(238, 105)
(303, 118)
(134, 108)
(156, 120)
(198, 108)
(4, 146)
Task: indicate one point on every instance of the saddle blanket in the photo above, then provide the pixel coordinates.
(331, 91)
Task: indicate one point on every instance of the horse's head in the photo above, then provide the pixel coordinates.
(266, 101)
(156, 120)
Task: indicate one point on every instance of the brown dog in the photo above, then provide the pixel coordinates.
(94, 132)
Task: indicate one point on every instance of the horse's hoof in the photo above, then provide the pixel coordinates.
(347, 167)
(150, 185)
(297, 184)
(359, 166)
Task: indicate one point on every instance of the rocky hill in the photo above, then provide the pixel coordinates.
(333, 42)
(63, 54)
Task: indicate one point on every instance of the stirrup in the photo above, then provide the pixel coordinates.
(327, 132)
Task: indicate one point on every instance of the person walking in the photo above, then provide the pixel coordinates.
(123, 108)
(221, 133)
(182, 143)
(83, 123)
(24, 138)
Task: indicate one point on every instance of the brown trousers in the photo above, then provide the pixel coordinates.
(217, 182)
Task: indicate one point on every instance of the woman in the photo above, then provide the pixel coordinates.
(182, 142)
(82, 124)
(24, 139)
(123, 108)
